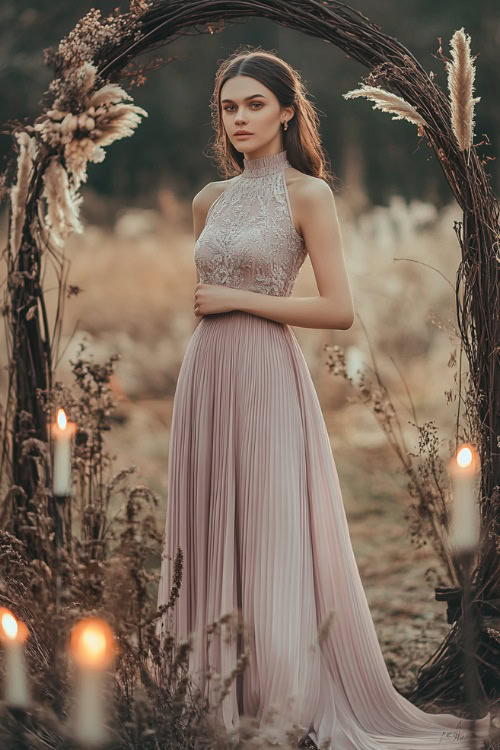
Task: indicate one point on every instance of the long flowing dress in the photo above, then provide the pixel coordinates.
(254, 502)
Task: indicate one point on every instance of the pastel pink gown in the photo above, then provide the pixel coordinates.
(255, 504)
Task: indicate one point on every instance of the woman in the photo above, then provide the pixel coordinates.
(254, 498)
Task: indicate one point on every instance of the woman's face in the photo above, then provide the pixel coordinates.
(246, 104)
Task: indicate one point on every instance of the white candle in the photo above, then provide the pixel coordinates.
(93, 650)
(464, 515)
(13, 633)
(89, 728)
(62, 432)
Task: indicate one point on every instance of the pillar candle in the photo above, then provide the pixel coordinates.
(93, 650)
(62, 432)
(13, 633)
(464, 512)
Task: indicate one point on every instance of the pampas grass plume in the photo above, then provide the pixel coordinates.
(19, 191)
(388, 102)
(461, 74)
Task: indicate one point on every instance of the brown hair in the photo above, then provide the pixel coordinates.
(301, 140)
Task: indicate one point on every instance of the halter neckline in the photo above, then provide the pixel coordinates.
(265, 164)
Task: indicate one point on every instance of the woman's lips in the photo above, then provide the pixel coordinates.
(243, 135)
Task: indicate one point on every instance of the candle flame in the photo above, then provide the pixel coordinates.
(464, 456)
(92, 643)
(466, 459)
(9, 625)
(61, 418)
(11, 629)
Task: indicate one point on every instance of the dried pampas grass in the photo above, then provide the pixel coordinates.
(105, 118)
(28, 151)
(461, 74)
(63, 205)
(388, 102)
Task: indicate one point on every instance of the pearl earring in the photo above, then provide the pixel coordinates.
(285, 124)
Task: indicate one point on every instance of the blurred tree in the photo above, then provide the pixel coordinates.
(169, 146)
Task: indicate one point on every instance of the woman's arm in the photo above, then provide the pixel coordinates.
(201, 203)
(198, 318)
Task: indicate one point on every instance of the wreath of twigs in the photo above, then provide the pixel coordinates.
(85, 109)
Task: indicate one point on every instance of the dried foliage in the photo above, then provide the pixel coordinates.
(428, 515)
(84, 110)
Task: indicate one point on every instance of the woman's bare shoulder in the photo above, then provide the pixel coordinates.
(301, 189)
(301, 180)
(208, 194)
(205, 198)
(305, 187)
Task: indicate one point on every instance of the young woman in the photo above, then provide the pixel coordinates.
(254, 498)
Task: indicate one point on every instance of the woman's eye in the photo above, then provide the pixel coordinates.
(259, 104)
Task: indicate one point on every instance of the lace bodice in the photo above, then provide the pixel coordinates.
(249, 240)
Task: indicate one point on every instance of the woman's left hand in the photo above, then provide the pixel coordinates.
(214, 298)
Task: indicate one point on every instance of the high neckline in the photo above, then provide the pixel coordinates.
(265, 164)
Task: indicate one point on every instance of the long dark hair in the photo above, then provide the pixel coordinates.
(301, 140)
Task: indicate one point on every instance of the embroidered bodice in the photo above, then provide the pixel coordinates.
(249, 240)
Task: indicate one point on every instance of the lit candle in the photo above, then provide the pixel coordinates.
(13, 633)
(93, 650)
(464, 514)
(62, 432)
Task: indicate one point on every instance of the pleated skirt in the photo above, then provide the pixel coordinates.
(254, 502)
